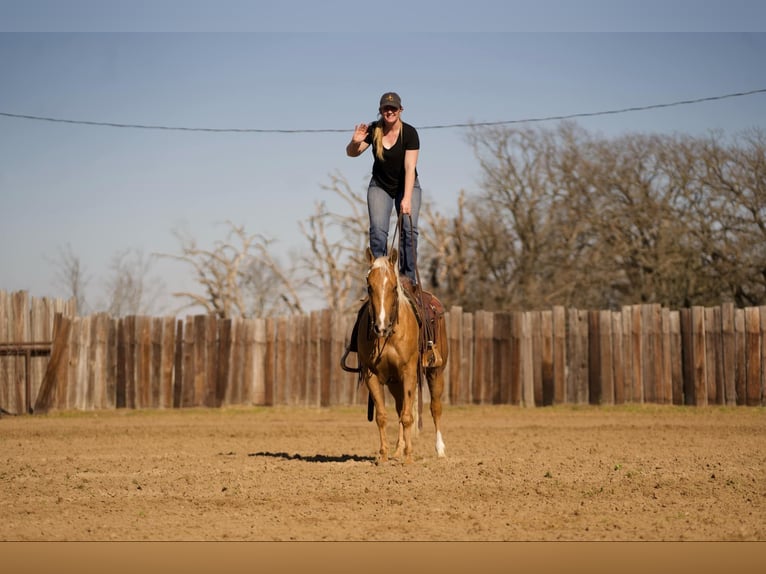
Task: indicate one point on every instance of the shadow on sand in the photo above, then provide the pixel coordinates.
(316, 457)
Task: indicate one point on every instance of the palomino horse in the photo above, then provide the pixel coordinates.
(389, 353)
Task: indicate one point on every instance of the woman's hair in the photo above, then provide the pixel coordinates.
(377, 138)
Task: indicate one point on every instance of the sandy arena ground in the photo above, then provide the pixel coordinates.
(278, 474)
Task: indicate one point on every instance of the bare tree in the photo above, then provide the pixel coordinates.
(130, 288)
(566, 217)
(648, 255)
(237, 277)
(728, 215)
(444, 250)
(268, 275)
(71, 276)
(518, 221)
(563, 217)
(241, 277)
(335, 260)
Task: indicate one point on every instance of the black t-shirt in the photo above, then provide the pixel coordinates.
(389, 173)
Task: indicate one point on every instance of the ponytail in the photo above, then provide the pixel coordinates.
(377, 138)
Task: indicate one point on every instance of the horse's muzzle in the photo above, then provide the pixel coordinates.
(383, 331)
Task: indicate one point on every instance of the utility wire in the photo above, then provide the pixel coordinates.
(602, 113)
(436, 127)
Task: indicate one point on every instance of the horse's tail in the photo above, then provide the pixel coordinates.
(370, 408)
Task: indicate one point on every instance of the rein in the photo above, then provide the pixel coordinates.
(418, 294)
(422, 336)
(393, 242)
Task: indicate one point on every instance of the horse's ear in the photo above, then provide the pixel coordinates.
(393, 256)
(370, 257)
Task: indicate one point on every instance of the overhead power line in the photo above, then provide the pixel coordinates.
(602, 113)
(434, 127)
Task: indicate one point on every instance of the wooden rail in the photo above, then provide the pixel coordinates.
(26, 350)
(26, 332)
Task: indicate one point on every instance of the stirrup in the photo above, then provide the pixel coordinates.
(346, 367)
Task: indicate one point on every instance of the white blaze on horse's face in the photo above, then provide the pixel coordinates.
(382, 286)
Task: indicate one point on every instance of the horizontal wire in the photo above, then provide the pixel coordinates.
(602, 113)
(433, 127)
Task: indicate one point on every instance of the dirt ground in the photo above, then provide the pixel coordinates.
(278, 474)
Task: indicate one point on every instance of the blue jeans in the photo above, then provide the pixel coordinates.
(379, 205)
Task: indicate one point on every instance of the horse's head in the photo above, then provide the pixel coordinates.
(383, 292)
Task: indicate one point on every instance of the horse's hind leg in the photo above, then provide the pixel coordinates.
(436, 387)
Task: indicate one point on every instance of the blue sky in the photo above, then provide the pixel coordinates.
(314, 66)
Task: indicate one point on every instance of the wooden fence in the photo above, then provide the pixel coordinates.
(640, 354)
(26, 331)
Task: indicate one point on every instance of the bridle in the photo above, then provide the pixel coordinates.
(394, 314)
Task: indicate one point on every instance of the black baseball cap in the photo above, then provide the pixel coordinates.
(391, 99)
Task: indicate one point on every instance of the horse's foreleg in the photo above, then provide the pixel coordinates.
(404, 405)
(436, 387)
(398, 394)
(376, 392)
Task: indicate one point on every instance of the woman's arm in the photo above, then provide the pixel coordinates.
(357, 145)
(410, 162)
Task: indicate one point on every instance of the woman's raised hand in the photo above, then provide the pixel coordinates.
(360, 132)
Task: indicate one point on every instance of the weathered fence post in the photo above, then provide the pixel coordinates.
(577, 357)
(455, 362)
(618, 358)
(228, 382)
(527, 369)
(729, 353)
(325, 357)
(712, 346)
(501, 351)
(676, 359)
(699, 356)
(741, 358)
(59, 354)
(753, 342)
(546, 359)
(516, 379)
(559, 355)
(259, 362)
(482, 388)
(762, 310)
(167, 352)
(535, 326)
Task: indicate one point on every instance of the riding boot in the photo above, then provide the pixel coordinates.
(412, 289)
(432, 357)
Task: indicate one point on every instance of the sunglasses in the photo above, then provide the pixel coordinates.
(388, 110)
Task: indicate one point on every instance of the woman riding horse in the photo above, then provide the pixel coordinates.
(389, 352)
